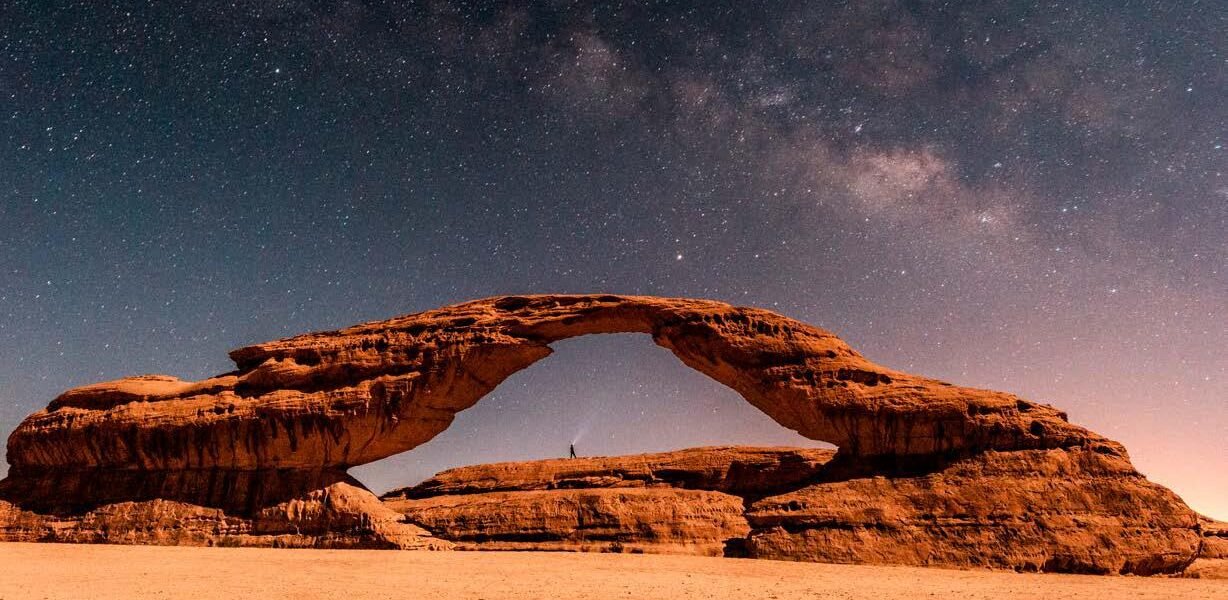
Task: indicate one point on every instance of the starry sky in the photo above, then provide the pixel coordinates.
(1025, 196)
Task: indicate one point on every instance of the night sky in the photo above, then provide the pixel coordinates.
(1031, 197)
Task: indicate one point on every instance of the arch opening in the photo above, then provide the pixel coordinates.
(609, 394)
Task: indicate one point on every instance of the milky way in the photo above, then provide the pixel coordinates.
(1023, 196)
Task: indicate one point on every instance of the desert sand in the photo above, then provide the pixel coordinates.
(49, 571)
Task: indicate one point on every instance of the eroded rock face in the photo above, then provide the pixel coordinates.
(627, 519)
(1031, 510)
(1214, 539)
(743, 471)
(681, 502)
(1212, 561)
(264, 443)
(336, 516)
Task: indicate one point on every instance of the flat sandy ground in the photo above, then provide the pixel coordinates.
(72, 571)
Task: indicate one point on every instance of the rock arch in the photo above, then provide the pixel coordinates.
(338, 399)
(260, 454)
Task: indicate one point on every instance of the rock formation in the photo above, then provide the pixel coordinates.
(1037, 510)
(1215, 539)
(1212, 561)
(340, 515)
(266, 443)
(1069, 510)
(742, 471)
(688, 501)
(642, 520)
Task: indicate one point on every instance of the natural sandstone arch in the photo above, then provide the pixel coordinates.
(926, 473)
(333, 400)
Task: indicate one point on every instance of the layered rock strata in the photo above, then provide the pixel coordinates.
(641, 520)
(1034, 510)
(683, 502)
(1212, 560)
(336, 516)
(744, 471)
(1074, 510)
(1214, 539)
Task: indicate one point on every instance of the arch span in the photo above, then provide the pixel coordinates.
(336, 399)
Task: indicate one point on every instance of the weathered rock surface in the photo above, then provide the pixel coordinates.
(738, 470)
(337, 516)
(264, 443)
(1214, 539)
(687, 501)
(1212, 561)
(1032, 510)
(627, 519)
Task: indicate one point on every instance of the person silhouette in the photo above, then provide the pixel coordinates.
(573, 451)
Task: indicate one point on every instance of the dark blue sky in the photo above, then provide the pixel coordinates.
(1023, 196)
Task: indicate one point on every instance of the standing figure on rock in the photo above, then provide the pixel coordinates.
(572, 451)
